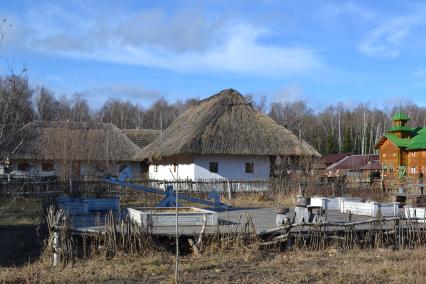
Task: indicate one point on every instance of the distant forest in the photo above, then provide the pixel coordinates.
(332, 130)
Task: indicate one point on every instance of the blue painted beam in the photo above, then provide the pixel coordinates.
(170, 193)
(135, 186)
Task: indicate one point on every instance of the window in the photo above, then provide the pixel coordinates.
(249, 168)
(394, 155)
(101, 167)
(174, 168)
(413, 154)
(413, 170)
(23, 166)
(155, 168)
(46, 167)
(384, 155)
(213, 167)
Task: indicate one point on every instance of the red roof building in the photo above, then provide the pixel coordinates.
(354, 165)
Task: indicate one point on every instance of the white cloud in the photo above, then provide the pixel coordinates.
(387, 39)
(97, 95)
(334, 9)
(290, 93)
(13, 33)
(239, 52)
(185, 42)
(419, 73)
(181, 32)
(125, 91)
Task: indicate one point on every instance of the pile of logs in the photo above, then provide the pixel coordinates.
(396, 232)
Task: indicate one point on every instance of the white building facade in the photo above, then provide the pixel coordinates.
(37, 168)
(212, 167)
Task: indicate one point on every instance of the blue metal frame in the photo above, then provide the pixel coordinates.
(170, 194)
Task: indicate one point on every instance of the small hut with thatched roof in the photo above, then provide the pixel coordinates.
(221, 137)
(69, 149)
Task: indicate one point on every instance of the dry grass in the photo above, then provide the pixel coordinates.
(241, 200)
(260, 200)
(232, 261)
(331, 266)
(19, 211)
(19, 231)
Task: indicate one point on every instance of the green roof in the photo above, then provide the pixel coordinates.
(400, 116)
(400, 142)
(400, 128)
(418, 142)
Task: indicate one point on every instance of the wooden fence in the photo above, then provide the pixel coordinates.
(97, 187)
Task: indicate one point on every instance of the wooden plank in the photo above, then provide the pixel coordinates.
(232, 221)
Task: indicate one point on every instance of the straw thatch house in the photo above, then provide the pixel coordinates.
(142, 137)
(221, 137)
(69, 149)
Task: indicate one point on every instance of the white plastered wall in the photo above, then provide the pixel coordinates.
(232, 167)
(197, 168)
(171, 172)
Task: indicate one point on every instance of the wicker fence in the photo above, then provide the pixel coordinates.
(97, 187)
(37, 187)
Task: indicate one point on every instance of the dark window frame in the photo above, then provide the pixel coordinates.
(23, 166)
(249, 168)
(47, 167)
(214, 167)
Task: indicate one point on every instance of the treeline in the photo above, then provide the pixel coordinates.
(20, 104)
(335, 129)
(338, 129)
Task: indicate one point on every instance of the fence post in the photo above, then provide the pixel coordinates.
(56, 248)
(374, 211)
(396, 209)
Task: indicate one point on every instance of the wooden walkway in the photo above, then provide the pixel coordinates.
(231, 221)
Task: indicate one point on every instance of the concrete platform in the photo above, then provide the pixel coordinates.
(229, 222)
(166, 217)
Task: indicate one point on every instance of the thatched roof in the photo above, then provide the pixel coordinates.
(69, 141)
(226, 123)
(142, 137)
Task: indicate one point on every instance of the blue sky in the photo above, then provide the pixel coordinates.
(319, 51)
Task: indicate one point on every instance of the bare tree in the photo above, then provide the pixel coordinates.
(45, 108)
(124, 114)
(80, 110)
(15, 104)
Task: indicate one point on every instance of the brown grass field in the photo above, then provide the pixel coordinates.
(330, 266)
(21, 260)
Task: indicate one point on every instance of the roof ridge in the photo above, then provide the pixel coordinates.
(226, 123)
(223, 92)
(337, 162)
